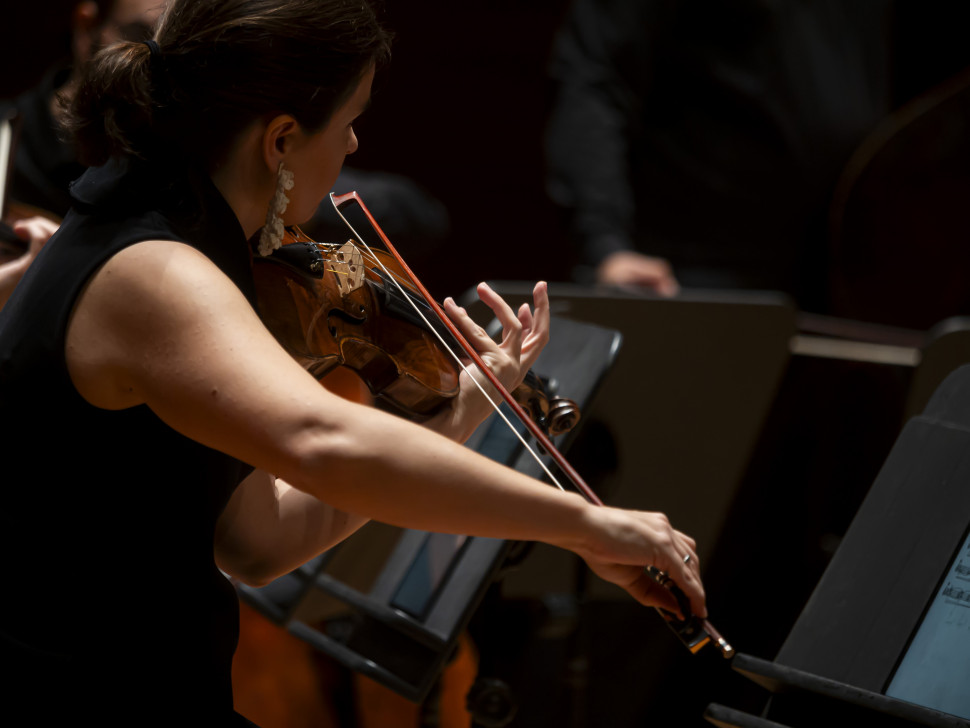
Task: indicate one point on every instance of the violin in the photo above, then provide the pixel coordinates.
(362, 307)
(329, 307)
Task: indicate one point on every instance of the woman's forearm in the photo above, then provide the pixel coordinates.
(409, 477)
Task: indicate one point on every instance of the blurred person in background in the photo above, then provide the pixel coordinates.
(698, 142)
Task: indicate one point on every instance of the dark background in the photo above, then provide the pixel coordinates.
(461, 110)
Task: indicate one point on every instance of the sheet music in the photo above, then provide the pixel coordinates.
(935, 672)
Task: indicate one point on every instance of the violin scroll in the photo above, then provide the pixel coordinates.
(555, 415)
(563, 415)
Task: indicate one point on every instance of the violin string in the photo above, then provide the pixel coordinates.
(337, 272)
(367, 256)
(447, 348)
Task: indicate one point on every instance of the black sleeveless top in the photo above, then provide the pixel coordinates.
(113, 605)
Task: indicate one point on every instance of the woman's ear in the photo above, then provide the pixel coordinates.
(278, 139)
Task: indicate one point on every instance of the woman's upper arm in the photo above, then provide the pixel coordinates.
(244, 530)
(160, 324)
(269, 528)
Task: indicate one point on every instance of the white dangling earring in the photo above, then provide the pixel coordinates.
(271, 236)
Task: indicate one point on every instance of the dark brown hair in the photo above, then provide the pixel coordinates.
(220, 65)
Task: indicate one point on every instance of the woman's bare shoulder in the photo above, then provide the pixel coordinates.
(149, 300)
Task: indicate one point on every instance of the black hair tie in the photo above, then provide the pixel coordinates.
(154, 49)
(155, 64)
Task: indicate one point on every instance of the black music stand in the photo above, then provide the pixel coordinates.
(685, 404)
(391, 604)
(848, 653)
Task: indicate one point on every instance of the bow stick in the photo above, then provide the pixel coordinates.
(695, 633)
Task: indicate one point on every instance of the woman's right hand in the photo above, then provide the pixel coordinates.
(621, 543)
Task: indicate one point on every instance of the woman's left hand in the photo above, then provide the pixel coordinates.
(524, 334)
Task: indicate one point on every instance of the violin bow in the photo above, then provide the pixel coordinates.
(693, 631)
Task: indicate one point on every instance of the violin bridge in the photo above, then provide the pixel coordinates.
(347, 265)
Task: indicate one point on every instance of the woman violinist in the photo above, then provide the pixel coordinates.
(132, 352)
